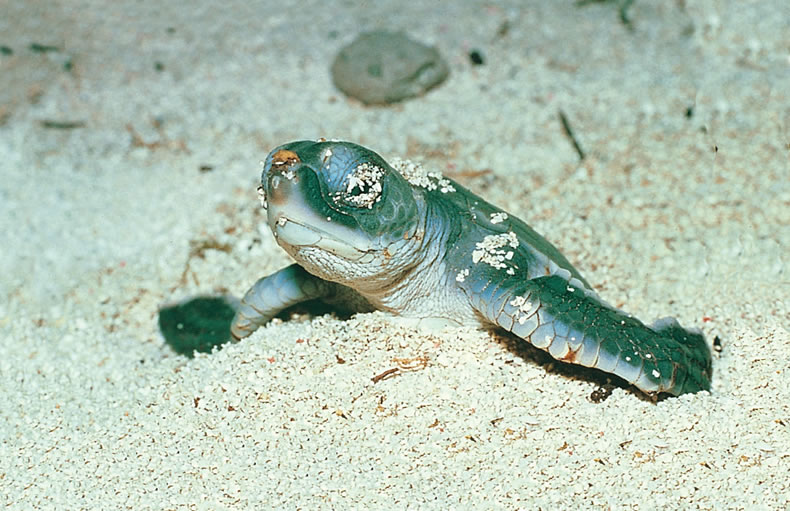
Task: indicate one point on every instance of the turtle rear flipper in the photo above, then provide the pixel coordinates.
(573, 325)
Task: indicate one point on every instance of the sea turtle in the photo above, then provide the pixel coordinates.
(395, 237)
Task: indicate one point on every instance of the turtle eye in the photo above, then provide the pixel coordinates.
(361, 187)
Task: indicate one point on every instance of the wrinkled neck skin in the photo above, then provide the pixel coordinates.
(409, 265)
(420, 288)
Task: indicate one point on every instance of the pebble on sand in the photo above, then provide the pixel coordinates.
(386, 67)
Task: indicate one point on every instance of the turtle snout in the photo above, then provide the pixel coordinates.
(281, 188)
(281, 176)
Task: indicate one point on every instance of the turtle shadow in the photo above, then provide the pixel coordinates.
(202, 323)
(605, 382)
(197, 324)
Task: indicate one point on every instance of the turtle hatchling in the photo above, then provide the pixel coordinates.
(395, 237)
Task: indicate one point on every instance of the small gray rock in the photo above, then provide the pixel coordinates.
(386, 67)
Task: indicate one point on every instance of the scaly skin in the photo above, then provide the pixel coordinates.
(421, 246)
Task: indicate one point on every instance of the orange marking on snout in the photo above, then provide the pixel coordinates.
(284, 159)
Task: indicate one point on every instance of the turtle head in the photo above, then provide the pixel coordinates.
(337, 208)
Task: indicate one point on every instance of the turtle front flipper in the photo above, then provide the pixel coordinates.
(274, 293)
(573, 325)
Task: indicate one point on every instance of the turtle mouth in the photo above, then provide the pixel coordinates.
(299, 233)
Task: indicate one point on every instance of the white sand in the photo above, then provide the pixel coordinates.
(98, 414)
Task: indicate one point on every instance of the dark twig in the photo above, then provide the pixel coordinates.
(566, 127)
(62, 125)
(624, 19)
(42, 48)
(383, 375)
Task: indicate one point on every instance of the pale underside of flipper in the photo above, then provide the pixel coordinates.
(274, 293)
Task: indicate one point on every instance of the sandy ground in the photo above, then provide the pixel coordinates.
(682, 207)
